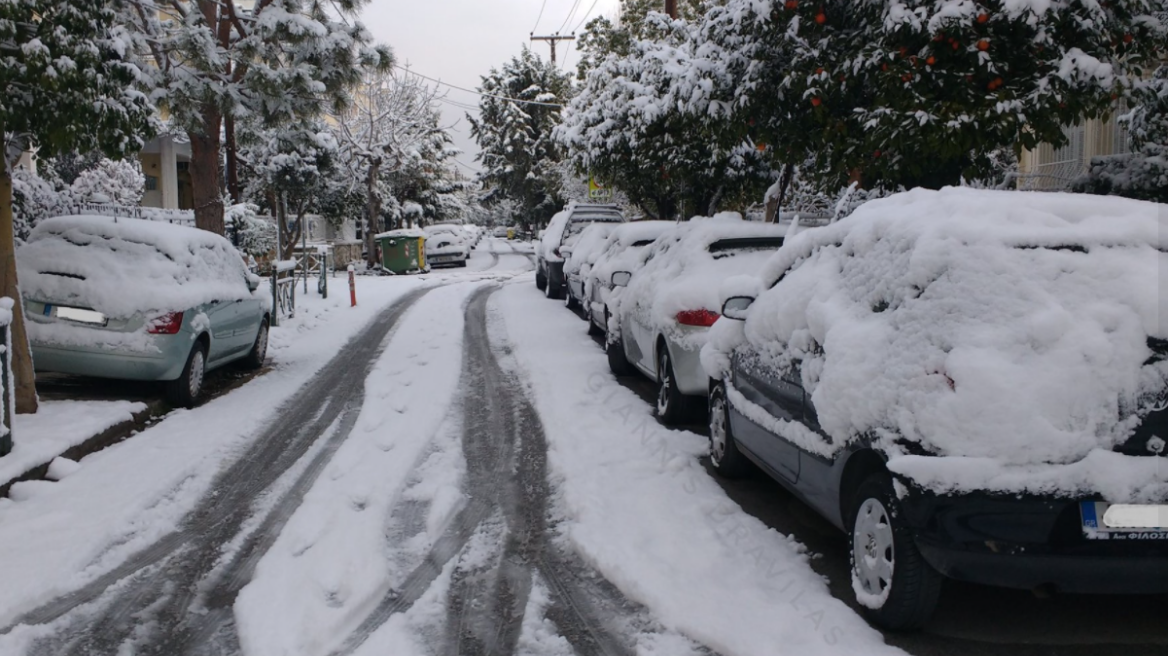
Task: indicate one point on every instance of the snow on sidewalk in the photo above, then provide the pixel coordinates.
(637, 504)
(61, 535)
(57, 427)
(329, 566)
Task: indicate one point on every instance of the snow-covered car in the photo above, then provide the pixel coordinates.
(474, 233)
(622, 251)
(447, 245)
(970, 384)
(139, 300)
(580, 252)
(660, 320)
(563, 228)
(500, 232)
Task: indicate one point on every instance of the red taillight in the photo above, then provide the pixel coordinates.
(168, 324)
(697, 318)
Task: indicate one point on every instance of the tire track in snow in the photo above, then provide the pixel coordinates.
(506, 457)
(175, 596)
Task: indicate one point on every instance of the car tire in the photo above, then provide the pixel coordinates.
(259, 349)
(618, 363)
(552, 291)
(184, 391)
(901, 593)
(673, 407)
(725, 458)
(571, 303)
(540, 280)
(593, 329)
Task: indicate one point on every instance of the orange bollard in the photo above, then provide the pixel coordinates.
(352, 287)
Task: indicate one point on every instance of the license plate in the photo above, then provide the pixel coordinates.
(76, 315)
(1104, 521)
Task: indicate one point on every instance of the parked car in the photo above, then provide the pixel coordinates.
(564, 228)
(580, 252)
(501, 232)
(474, 234)
(139, 300)
(659, 323)
(622, 251)
(447, 245)
(970, 384)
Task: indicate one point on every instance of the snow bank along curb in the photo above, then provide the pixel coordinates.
(92, 440)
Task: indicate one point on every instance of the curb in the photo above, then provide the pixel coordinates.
(110, 436)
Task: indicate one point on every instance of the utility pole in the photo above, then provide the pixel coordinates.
(553, 39)
(671, 8)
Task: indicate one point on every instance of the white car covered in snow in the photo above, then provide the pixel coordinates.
(564, 228)
(139, 300)
(970, 384)
(622, 251)
(580, 252)
(447, 245)
(659, 322)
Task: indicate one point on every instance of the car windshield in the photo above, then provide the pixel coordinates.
(731, 247)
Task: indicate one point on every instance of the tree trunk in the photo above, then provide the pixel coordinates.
(775, 202)
(26, 397)
(372, 213)
(205, 172)
(232, 154)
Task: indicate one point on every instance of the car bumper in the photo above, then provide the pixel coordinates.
(1030, 542)
(162, 365)
(691, 378)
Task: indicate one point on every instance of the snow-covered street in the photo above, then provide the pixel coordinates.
(450, 468)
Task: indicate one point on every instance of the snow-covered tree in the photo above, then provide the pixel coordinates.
(67, 86)
(251, 233)
(119, 182)
(277, 62)
(517, 114)
(632, 125)
(391, 122)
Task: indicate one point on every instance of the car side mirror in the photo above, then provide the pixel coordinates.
(736, 307)
(621, 279)
(253, 282)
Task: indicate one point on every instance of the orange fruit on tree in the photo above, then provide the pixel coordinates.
(983, 17)
(792, 5)
(983, 45)
(931, 60)
(815, 102)
(821, 18)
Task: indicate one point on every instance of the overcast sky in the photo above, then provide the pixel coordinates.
(458, 41)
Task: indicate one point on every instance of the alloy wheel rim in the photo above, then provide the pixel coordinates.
(196, 380)
(666, 385)
(718, 431)
(873, 553)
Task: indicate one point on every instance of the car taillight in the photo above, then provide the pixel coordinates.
(697, 318)
(168, 324)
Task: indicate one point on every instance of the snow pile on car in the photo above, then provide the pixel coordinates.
(621, 251)
(987, 340)
(549, 244)
(122, 267)
(588, 246)
(681, 272)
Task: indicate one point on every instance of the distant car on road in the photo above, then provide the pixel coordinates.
(139, 300)
(661, 318)
(447, 245)
(564, 228)
(969, 384)
(501, 232)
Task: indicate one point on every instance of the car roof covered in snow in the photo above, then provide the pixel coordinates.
(122, 267)
(1004, 332)
(403, 233)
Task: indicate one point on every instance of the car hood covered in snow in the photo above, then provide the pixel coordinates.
(1007, 336)
(123, 267)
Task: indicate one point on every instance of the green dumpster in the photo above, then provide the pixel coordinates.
(403, 251)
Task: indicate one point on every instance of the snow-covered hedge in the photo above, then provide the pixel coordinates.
(1005, 333)
(106, 182)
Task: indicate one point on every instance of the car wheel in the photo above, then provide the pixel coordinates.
(184, 391)
(259, 350)
(896, 587)
(571, 303)
(552, 291)
(618, 363)
(540, 280)
(593, 329)
(725, 457)
(672, 405)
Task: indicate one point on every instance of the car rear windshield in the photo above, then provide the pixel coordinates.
(731, 247)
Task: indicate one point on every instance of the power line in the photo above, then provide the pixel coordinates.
(585, 19)
(575, 6)
(478, 93)
(541, 8)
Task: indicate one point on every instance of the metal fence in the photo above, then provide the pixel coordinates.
(283, 291)
(178, 217)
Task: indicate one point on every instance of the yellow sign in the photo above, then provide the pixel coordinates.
(597, 190)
